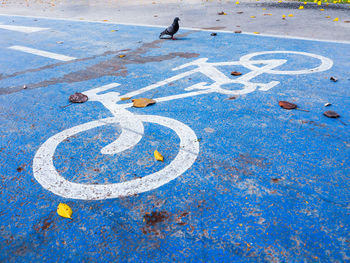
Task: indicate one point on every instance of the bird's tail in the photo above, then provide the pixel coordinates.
(161, 34)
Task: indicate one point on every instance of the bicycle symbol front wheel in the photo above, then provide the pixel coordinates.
(325, 64)
(46, 174)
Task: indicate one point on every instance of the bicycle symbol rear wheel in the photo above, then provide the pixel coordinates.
(46, 174)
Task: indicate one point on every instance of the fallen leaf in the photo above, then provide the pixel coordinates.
(267, 14)
(158, 156)
(105, 20)
(121, 56)
(331, 114)
(290, 15)
(333, 79)
(252, 16)
(321, 9)
(20, 169)
(287, 105)
(237, 2)
(301, 7)
(336, 19)
(142, 102)
(256, 33)
(264, 9)
(275, 180)
(328, 17)
(346, 21)
(213, 34)
(236, 73)
(64, 210)
(232, 98)
(125, 98)
(238, 31)
(222, 13)
(240, 12)
(283, 16)
(114, 30)
(78, 98)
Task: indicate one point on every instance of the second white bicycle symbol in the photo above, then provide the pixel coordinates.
(132, 125)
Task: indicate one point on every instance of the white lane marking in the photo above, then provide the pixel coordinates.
(42, 53)
(45, 172)
(186, 28)
(23, 29)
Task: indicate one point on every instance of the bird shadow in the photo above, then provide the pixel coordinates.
(175, 38)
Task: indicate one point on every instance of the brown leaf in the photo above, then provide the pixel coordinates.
(125, 98)
(142, 102)
(331, 114)
(287, 105)
(239, 12)
(232, 98)
(275, 180)
(78, 98)
(346, 21)
(236, 73)
(333, 79)
(222, 13)
(238, 31)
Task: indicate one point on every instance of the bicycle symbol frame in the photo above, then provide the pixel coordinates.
(132, 127)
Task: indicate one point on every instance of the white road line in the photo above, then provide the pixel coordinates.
(23, 29)
(186, 28)
(42, 53)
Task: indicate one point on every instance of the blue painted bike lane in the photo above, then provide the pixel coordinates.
(267, 184)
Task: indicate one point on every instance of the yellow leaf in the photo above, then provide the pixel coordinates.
(237, 3)
(322, 9)
(64, 210)
(105, 20)
(301, 7)
(142, 102)
(319, 3)
(283, 16)
(125, 98)
(121, 56)
(328, 17)
(252, 17)
(290, 15)
(158, 156)
(336, 19)
(256, 33)
(113, 30)
(264, 9)
(305, 3)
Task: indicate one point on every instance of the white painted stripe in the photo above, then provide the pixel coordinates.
(42, 53)
(23, 29)
(186, 28)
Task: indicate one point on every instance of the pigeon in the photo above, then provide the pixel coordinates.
(171, 30)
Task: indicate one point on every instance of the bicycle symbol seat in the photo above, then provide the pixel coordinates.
(132, 127)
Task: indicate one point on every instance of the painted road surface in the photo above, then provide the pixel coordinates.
(243, 180)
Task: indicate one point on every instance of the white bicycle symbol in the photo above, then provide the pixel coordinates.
(132, 125)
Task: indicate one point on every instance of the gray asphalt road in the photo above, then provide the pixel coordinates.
(264, 17)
